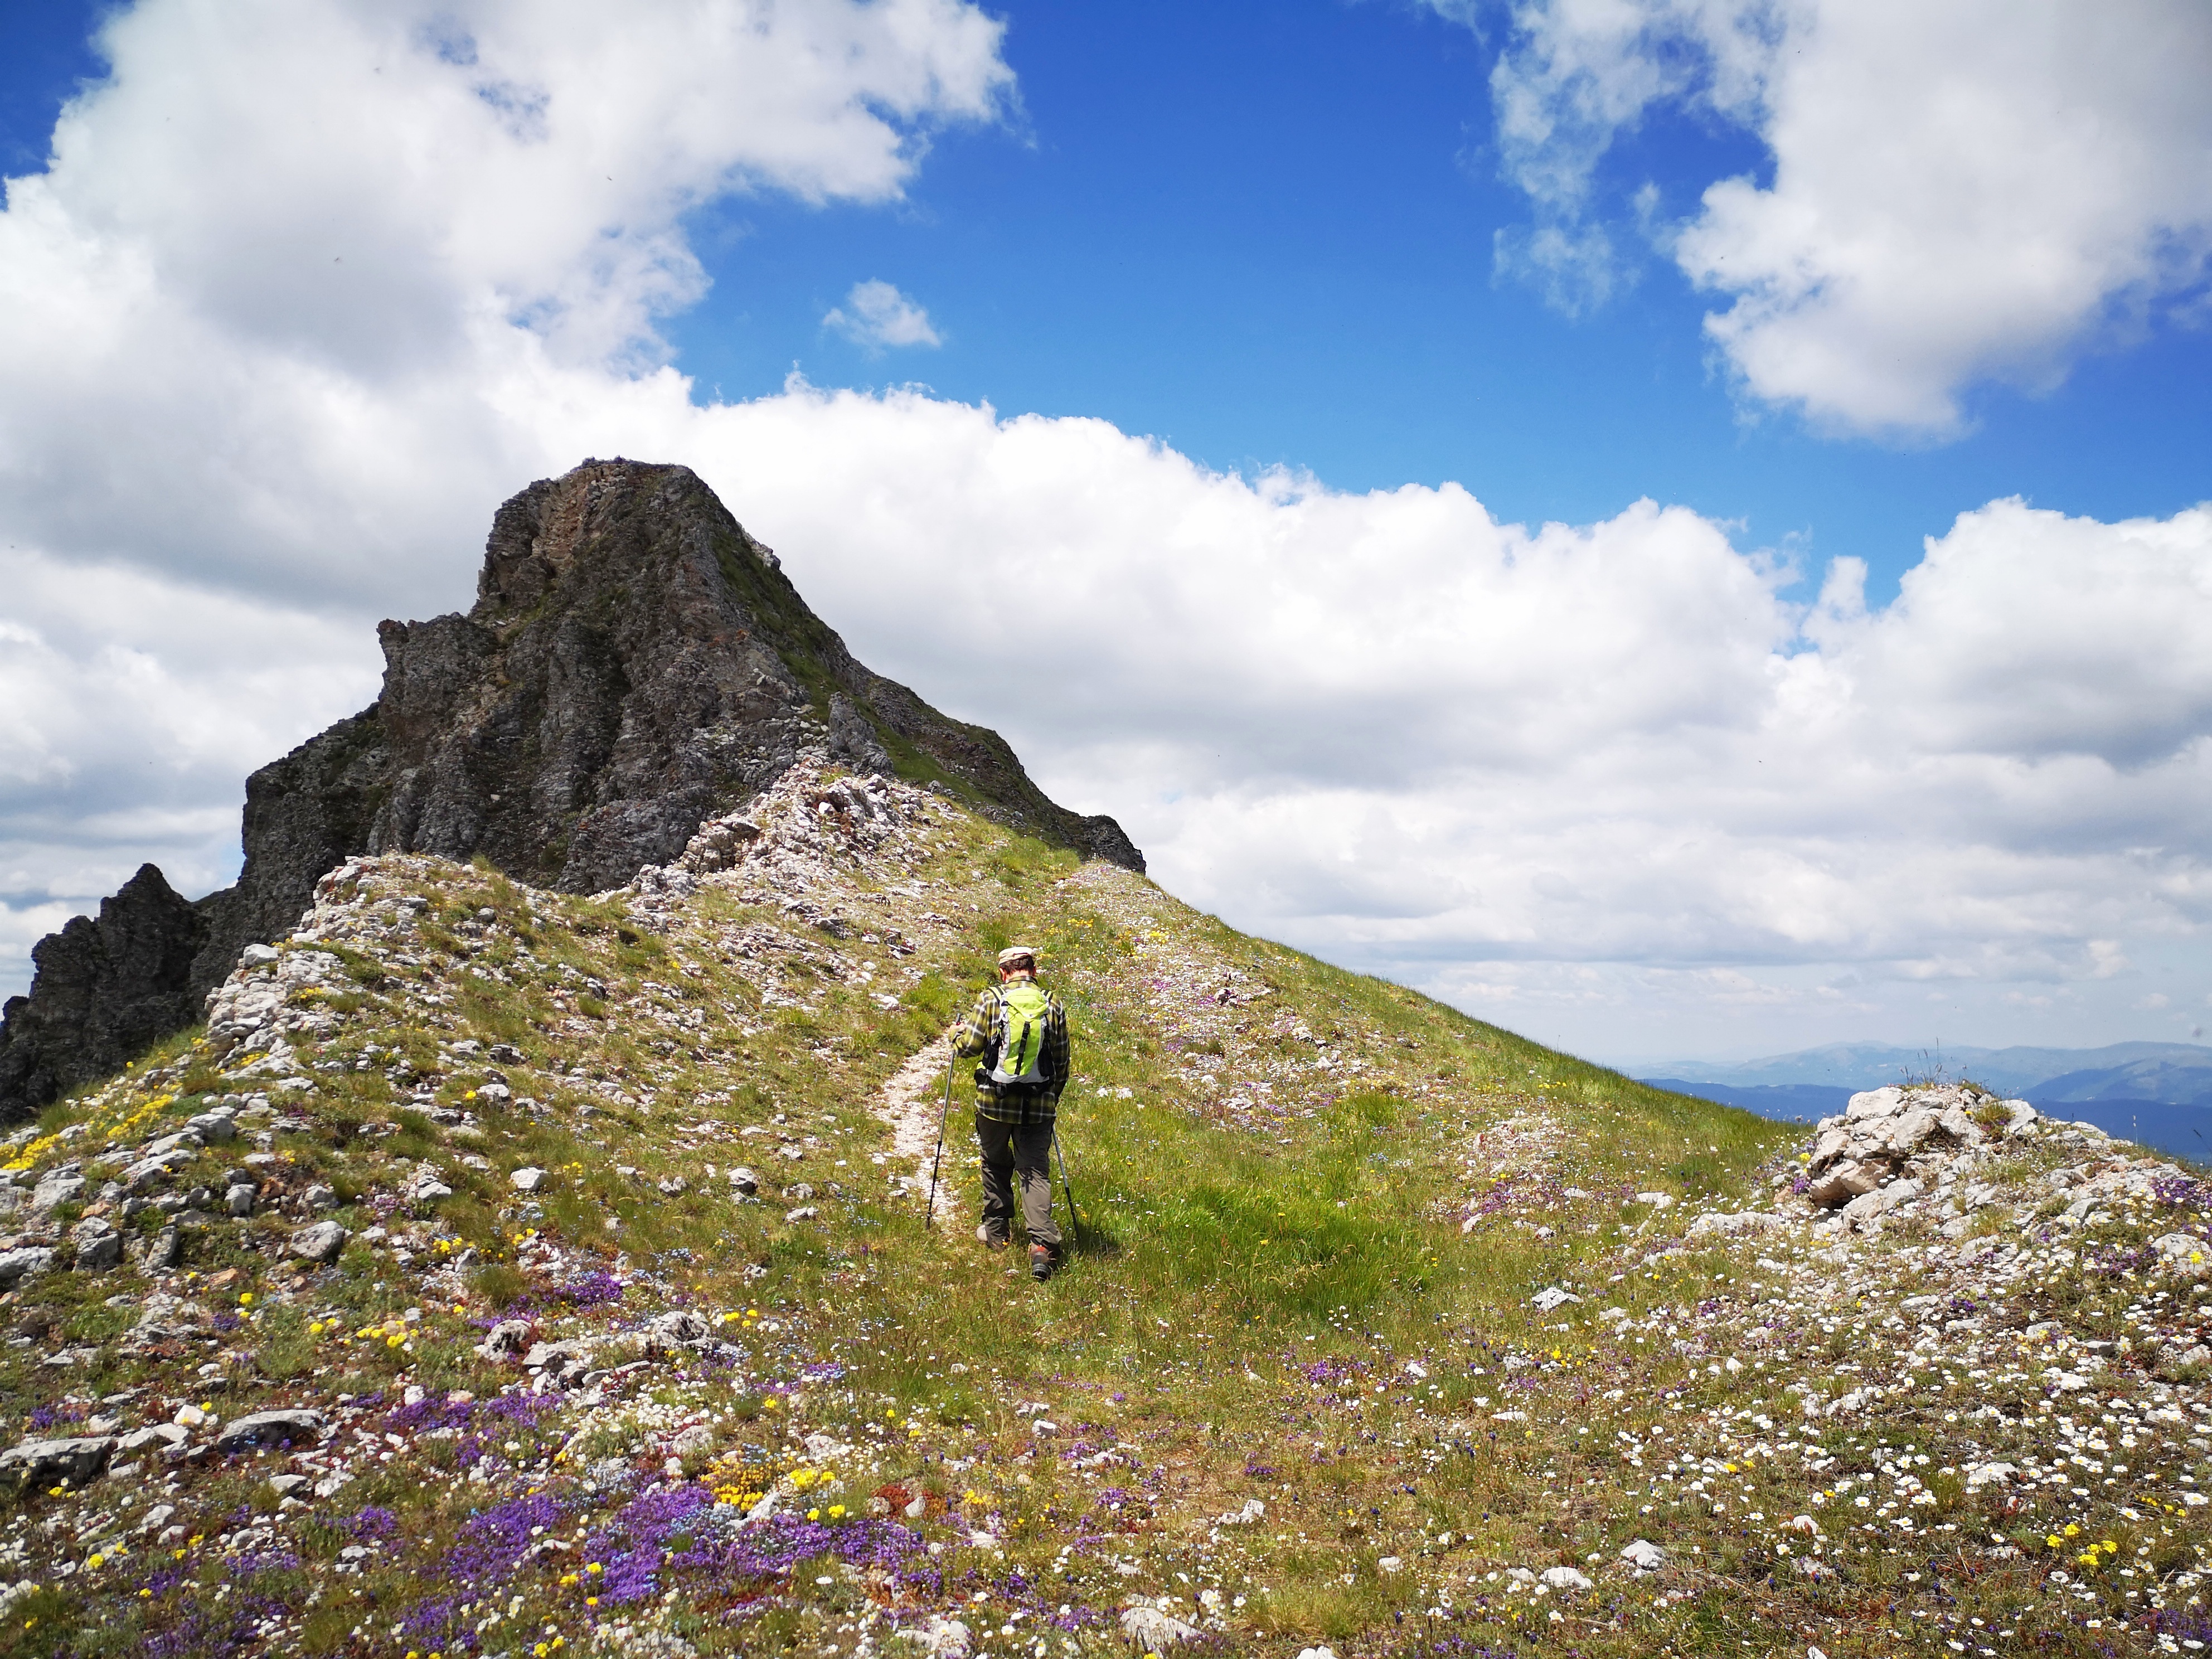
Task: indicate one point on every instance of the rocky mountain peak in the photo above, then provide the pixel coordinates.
(636, 664)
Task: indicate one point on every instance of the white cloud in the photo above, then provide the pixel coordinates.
(1962, 191)
(1617, 781)
(881, 316)
(1391, 727)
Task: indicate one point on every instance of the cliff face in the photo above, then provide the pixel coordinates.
(105, 990)
(634, 663)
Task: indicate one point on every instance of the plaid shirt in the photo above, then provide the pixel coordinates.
(979, 1035)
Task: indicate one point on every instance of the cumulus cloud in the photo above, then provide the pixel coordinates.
(881, 316)
(1961, 191)
(1393, 728)
(264, 377)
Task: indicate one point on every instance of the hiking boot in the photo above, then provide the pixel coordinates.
(1043, 1262)
(989, 1240)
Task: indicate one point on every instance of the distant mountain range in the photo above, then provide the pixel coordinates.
(2176, 1074)
(2159, 1094)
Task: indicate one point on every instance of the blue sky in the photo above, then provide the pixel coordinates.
(1269, 243)
(311, 288)
(1264, 235)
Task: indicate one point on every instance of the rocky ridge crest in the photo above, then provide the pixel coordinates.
(634, 664)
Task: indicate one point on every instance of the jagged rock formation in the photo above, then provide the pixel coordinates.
(105, 990)
(634, 664)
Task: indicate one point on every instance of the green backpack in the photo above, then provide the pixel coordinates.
(1023, 1010)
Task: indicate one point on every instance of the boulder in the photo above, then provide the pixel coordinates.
(527, 1179)
(59, 1188)
(1872, 1103)
(269, 1428)
(505, 1340)
(1645, 1556)
(44, 1463)
(425, 1186)
(1843, 1182)
(2182, 1253)
(320, 1242)
(558, 1362)
(680, 1327)
(27, 1262)
(1155, 1630)
(1566, 1580)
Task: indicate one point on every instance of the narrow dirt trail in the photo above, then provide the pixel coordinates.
(911, 1103)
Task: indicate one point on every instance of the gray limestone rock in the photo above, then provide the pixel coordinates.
(28, 1261)
(320, 1242)
(57, 1189)
(269, 1428)
(505, 1340)
(561, 1363)
(680, 1327)
(43, 1463)
(99, 1252)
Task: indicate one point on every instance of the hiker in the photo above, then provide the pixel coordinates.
(1021, 1031)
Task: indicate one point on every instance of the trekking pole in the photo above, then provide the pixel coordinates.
(930, 1214)
(1075, 1221)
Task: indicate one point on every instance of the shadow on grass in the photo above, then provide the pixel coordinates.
(1087, 1239)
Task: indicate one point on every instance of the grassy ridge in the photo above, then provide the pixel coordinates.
(1316, 1207)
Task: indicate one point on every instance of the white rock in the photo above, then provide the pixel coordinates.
(1872, 1103)
(57, 1189)
(1552, 1297)
(2182, 1253)
(425, 1186)
(1729, 1224)
(1567, 1579)
(1656, 1201)
(942, 1638)
(1645, 1556)
(1389, 1564)
(527, 1179)
(1156, 1628)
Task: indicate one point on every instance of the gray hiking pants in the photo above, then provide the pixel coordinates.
(1023, 1149)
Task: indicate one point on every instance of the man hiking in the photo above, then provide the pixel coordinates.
(1021, 1031)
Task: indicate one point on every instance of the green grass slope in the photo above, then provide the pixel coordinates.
(1302, 1382)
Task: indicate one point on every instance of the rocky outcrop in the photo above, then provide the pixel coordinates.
(1891, 1147)
(635, 664)
(102, 992)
